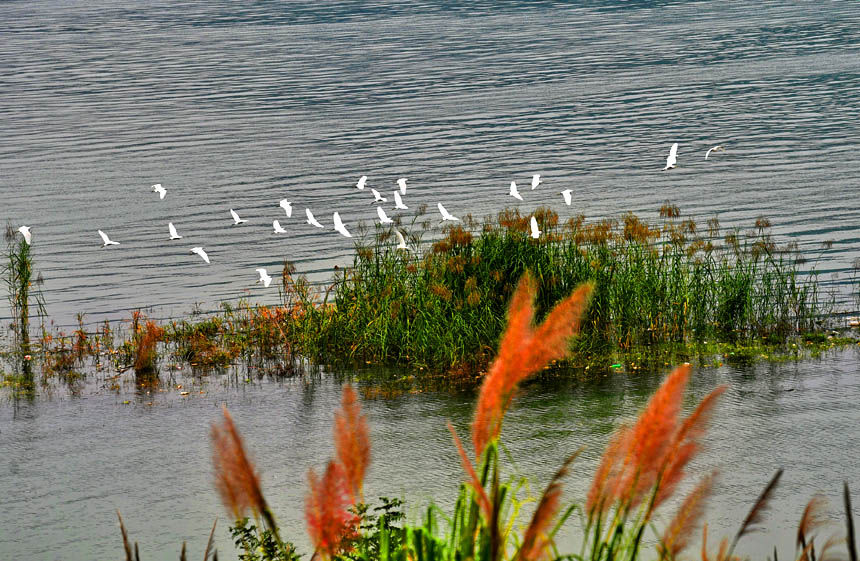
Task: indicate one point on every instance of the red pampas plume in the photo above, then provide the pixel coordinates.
(352, 441)
(330, 523)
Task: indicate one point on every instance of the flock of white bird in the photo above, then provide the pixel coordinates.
(340, 227)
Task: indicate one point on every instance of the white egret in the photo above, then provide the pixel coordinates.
(535, 232)
(199, 251)
(107, 241)
(311, 220)
(402, 244)
(402, 183)
(264, 277)
(514, 193)
(277, 226)
(236, 219)
(673, 157)
(338, 225)
(535, 181)
(25, 231)
(398, 202)
(445, 214)
(383, 218)
(361, 182)
(377, 198)
(174, 235)
(287, 206)
(566, 194)
(714, 149)
(157, 188)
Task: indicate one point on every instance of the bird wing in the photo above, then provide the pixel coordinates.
(362, 180)
(402, 183)
(262, 272)
(172, 229)
(708, 153)
(338, 223)
(673, 151)
(382, 216)
(25, 231)
(442, 211)
(105, 239)
(566, 195)
(401, 238)
(234, 215)
(535, 180)
(535, 231)
(199, 251)
(310, 214)
(161, 193)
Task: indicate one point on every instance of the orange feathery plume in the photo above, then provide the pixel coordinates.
(608, 471)
(523, 351)
(329, 521)
(535, 540)
(474, 480)
(352, 441)
(723, 551)
(676, 537)
(235, 477)
(812, 519)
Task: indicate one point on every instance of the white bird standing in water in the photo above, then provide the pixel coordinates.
(362, 180)
(673, 157)
(287, 206)
(236, 219)
(514, 193)
(566, 194)
(278, 228)
(535, 232)
(264, 277)
(377, 198)
(338, 225)
(535, 181)
(402, 183)
(398, 202)
(445, 214)
(383, 218)
(107, 241)
(714, 149)
(199, 251)
(25, 231)
(311, 220)
(402, 244)
(174, 235)
(157, 188)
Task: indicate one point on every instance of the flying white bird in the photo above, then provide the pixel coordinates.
(445, 214)
(106, 240)
(174, 235)
(714, 149)
(673, 157)
(535, 232)
(398, 202)
(377, 198)
(361, 182)
(402, 244)
(535, 181)
(25, 231)
(157, 188)
(277, 226)
(338, 225)
(383, 218)
(402, 183)
(514, 193)
(566, 194)
(199, 251)
(236, 219)
(288, 208)
(311, 220)
(264, 277)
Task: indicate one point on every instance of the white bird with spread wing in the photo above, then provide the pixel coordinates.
(362, 180)
(535, 181)
(236, 219)
(107, 241)
(535, 231)
(278, 228)
(174, 235)
(672, 159)
(377, 198)
(714, 149)
(25, 231)
(402, 244)
(445, 214)
(199, 251)
(398, 202)
(157, 188)
(402, 183)
(264, 277)
(287, 206)
(514, 193)
(383, 218)
(311, 220)
(566, 194)
(338, 225)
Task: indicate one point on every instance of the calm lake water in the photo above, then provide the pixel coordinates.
(239, 105)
